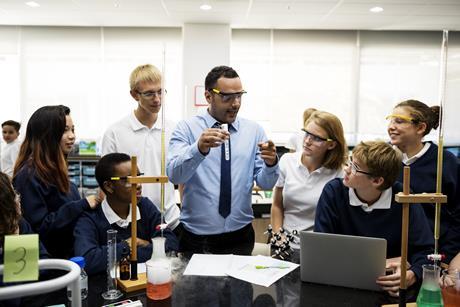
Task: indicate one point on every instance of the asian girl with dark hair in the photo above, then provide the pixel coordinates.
(50, 202)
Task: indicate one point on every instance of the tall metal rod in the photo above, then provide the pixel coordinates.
(442, 91)
(133, 220)
(163, 151)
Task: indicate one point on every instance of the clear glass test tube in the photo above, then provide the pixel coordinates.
(226, 142)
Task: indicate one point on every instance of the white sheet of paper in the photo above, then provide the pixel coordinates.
(244, 268)
(208, 265)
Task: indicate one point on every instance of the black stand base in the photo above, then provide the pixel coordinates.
(402, 297)
(133, 269)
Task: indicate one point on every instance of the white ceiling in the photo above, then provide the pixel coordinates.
(277, 14)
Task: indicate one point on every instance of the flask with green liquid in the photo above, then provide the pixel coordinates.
(430, 292)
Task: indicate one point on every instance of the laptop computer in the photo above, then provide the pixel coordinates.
(342, 260)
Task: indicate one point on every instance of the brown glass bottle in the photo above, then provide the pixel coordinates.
(125, 264)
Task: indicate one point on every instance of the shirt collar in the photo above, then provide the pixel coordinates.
(14, 142)
(210, 121)
(320, 170)
(112, 217)
(384, 202)
(409, 161)
(137, 125)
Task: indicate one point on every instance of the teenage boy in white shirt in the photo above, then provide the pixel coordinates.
(139, 134)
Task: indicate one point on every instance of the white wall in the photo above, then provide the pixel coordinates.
(358, 75)
(85, 68)
(204, 47)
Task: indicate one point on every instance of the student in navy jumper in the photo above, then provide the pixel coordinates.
(12, 223)
(50, 202)
(115, 213)
(410, 121)
(362, 204)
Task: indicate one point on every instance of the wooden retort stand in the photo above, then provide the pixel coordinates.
(405, 198)
(438, 198)
(137, 281)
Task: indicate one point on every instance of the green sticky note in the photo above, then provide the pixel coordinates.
(20, 258)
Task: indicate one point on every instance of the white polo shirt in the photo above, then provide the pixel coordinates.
(408, 161)
(384, 202)
(112, 217)
(131, 137)
(9, 156)
(301, 190)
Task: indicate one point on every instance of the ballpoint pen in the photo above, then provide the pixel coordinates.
(259, 267)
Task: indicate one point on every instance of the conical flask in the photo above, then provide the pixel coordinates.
(430, 292)
(159, 282)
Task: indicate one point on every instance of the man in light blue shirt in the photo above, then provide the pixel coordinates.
(215, 217)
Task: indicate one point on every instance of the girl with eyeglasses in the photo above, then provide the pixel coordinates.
(295, 141)
(410, 122)
(304, 174)
(50, 202)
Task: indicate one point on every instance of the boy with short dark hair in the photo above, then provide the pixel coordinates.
(217, 168)
(115, 213)
(10, 133)
(362, 204)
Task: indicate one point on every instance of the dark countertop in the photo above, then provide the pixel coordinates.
(227, 291)
(203, 291)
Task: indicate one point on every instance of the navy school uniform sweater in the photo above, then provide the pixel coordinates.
(24, 228)
(51, 213)
(334, 214)
(423, 179)
(91, 236)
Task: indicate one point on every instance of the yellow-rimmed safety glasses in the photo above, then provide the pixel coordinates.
(315, 138)
(123, 179)
(228, 97)
(399, 119)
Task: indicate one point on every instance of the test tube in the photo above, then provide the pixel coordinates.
(112, 292)
(226, 143)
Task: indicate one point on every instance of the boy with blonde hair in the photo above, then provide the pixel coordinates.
(362, 204)
(139, 134)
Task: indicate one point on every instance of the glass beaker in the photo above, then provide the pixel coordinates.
(450, 284)
(159, 282)
(430, 292)
(268, 194)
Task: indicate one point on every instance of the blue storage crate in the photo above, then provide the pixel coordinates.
(75, 180)
(89, 170)
(89, 182)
